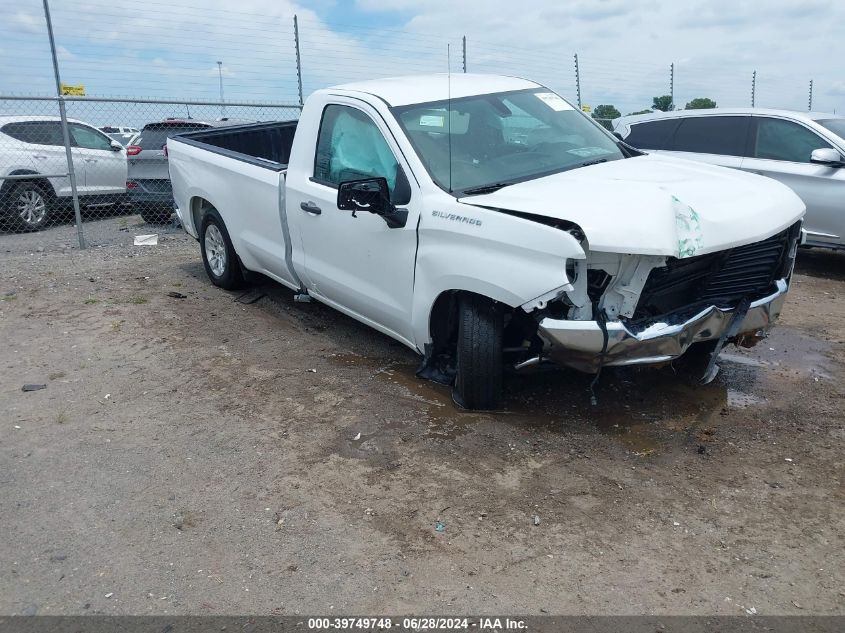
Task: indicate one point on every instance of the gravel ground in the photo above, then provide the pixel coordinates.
(205, 455)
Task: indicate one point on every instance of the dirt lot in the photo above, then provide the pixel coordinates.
(203, 455)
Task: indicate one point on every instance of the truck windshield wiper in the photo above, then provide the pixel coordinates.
(474, 191)
(593, 162)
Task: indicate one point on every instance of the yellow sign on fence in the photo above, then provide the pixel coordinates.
(586, 108)
(76, 91)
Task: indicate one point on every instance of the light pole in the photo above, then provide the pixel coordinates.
(220, 73)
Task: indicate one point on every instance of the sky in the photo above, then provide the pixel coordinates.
(170, 48)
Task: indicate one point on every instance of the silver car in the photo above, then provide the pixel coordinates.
(803, 150)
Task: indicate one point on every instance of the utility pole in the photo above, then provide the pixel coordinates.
(298, 59)
(810, 103)
(222, 106)
(672, 86)
(465, 52)
(753, 87)
(577, 81)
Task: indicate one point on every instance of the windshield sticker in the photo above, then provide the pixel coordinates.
(689, 229)
(555, 102)
(432, 120)
(587, 152)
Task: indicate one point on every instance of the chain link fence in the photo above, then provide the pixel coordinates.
(118, 157)
(103, 177)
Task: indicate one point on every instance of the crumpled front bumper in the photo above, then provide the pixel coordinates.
(578, 344)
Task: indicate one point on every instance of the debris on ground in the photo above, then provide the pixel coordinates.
(146, 240)
(250, 296)
(33, 387)
(357, 437)
(176, 295)
(536, 520)
(439, 526)
(183, 519)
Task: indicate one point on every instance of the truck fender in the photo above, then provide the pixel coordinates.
(508, 259)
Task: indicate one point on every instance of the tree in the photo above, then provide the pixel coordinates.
(606, 112)
(664, 103)
(701, 103)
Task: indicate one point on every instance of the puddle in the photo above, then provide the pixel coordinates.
(787, 351)
(645, 408)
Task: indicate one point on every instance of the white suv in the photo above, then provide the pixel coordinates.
(33, 146)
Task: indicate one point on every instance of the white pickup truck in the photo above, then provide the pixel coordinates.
(486, 223)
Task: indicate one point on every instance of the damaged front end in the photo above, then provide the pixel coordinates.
(641, 309)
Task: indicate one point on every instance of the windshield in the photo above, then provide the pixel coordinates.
(502, 138)
(837, 126)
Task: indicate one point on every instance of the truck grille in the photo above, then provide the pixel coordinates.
(720, 279)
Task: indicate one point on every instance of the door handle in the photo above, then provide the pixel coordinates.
(39, 156)
(90, 160)
(310, 207)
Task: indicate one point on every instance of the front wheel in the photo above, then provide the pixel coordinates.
(218, 255)
(478, 382)
(29, 205)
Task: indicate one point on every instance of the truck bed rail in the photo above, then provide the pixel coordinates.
(263, 144)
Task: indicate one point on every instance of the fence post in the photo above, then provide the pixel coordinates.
(672, 86)
(753, 87)
(810, 103)
(65, 132)
(465, 52)
(298, 59)
(577, 81)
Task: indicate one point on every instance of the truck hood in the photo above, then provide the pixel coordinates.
(656, 205)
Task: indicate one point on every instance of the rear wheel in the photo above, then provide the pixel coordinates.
(30, 206)
(218, 255)
(478, 382)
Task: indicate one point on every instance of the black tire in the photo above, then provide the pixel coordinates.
(157, 216)
(29, 206)
(218, 255)
(478, 382)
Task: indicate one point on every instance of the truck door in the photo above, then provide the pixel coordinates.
(357, 263)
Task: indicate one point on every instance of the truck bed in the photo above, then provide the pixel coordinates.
(263, 144)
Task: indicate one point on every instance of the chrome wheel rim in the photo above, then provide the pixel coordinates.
(32, 208)
(215, 250)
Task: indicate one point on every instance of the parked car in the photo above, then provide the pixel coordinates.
(149, 182)
(33, 146)
(486, 222)
(119, 133)
(803, 150)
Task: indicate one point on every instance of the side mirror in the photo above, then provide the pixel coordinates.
(373, 195)
(827, 156)
(369, 194)
(115, 146)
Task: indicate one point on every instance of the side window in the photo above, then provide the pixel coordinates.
(784, 140)
(37, 132)
(351, 147)
(88, 138)
(652, 134)
(725, 135)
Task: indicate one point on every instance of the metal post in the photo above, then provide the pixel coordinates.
(65, 132)
(465, 52)
(298, 59)
(577, 81)
(222, 105)
(672, 86)
(810, 103)
(753, 87)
